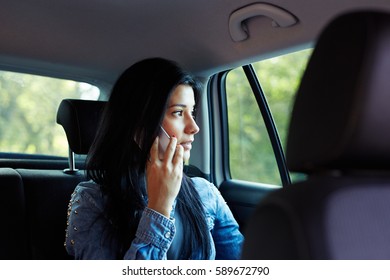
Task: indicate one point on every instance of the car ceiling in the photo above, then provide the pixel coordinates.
(95, 40)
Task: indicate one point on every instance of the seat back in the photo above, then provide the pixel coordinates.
(13, 216)
(47, 194)
(339, 135)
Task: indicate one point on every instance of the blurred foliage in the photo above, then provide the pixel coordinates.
(28, 108)
(251, 154)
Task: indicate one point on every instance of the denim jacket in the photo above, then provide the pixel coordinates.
(89, 235)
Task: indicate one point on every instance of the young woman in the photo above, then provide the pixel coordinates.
(139, 204)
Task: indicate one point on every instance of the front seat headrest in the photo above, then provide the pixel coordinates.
(80, 120)
(341, 116)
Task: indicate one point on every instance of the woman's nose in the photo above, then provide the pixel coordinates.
(191, 126)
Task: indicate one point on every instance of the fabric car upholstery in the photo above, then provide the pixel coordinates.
(339, 136)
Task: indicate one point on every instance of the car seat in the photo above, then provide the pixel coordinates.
(339, 136)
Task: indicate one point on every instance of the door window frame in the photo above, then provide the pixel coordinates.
(217, 99)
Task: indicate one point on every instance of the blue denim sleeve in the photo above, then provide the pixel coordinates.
(225, 232)
(90, 235)
(227, 237)
(153, 237)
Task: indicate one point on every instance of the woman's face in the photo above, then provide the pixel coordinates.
(179, 117)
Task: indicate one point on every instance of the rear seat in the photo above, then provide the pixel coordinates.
(14, 241)
(46, 195)
(34, 210)
(35, 201)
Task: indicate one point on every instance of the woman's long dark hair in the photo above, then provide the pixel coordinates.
(117, 159)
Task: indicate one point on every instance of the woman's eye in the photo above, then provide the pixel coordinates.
(178, 113)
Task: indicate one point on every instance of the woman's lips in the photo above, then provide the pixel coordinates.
(187, 145)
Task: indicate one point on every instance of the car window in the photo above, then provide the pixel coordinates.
(250, 152)
(28, 108)
(251, 156)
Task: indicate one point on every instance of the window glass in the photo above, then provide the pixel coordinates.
(251, 154)
(28, 108)
(280, 78)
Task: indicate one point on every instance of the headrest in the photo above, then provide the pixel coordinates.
(341, 116)
(80, 120)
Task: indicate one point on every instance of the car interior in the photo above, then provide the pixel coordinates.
(311, 183)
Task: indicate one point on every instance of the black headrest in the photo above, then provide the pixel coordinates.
(341, 117)
(80, 120)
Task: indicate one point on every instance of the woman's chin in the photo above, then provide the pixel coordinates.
(186, 156)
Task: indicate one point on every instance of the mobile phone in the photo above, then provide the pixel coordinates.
(163, 142)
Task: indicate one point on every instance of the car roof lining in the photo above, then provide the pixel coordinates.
(95, 40)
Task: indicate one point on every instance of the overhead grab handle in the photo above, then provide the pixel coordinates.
(237, 21)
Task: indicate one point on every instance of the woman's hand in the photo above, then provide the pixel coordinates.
(163, 177)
